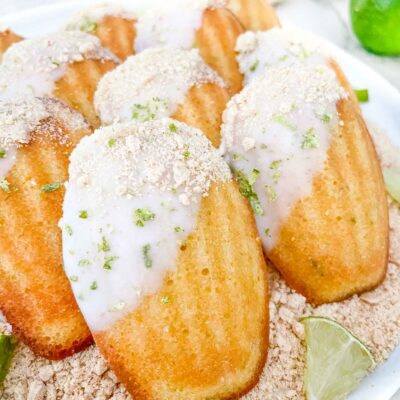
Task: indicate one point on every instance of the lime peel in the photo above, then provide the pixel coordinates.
(7, 347)
(392, 182)
(336, 360)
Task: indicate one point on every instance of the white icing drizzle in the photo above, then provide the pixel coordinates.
(276, 133)
(132, 198)
(21, 116)
(86, 20)
(151, 84)
(173, 23)
(259, 51)
(33, 66)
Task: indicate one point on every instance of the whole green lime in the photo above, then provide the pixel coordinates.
(377, 25)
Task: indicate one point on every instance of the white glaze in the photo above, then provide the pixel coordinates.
(259, 51)
(265, 128)
(33, 66)
(150, 86)
(87, 19)
(145, 168)
(173, 23)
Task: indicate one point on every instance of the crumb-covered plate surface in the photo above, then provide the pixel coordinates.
(382, 111)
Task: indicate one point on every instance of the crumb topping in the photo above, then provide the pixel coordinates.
(173, 23)
(32, 66)
(88, 19)
(149, 157)
(151, 84)
(21, 116)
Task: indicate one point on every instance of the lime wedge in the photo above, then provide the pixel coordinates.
(392, 182)
(7, 346)
(336, 360)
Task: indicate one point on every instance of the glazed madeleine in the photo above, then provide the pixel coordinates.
(36, 139)
(304, 158)
(64, 65)
(254, 15)
(166, 264)
(148, 86)
(113, 25)
(7, 38)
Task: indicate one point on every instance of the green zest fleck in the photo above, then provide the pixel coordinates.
(93, 286)
(281, 119)
(148, 262)
(51, 187)
(84, 263)
(165, 300)
(254, 65)
(253, 176)
(275, 167)
(103, 246)
(173, 128)
(5, 185)
(247, 191)
(186, 153)
(3, 153)
(73, 278)
(88, 25)
(7, 347)
(83, 214)
(56, 63)
(362, 95)
(267, 232)
(263, 146)
(111, 142)
(310, 140)
(178, 229)
(326, 118)
(68, 229)
(144, 113)
(108, 261)
(271, 193)
(144, 215)
(237, 157)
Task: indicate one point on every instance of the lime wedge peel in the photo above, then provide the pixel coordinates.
(392, 182)
(7, 348)
(336, 360)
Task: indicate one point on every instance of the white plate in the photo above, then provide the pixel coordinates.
(383, 109)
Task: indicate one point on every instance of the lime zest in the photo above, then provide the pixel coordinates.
(362, 95)
(7, 347)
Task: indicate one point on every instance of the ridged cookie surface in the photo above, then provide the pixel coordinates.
(7, 38)
(254, 15)
(209, 341)
(35, 294)
(335, 242)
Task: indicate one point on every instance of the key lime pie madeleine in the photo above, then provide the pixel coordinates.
(304, 158)
(36, 138)
(254, 15)
(205, 24)
(64, 65)
(164, 260)
(113, 25)
(7, 38)
(149, 86)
